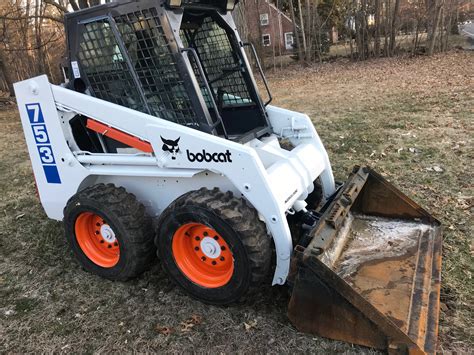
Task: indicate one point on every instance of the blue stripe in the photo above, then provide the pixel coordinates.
(52, 174)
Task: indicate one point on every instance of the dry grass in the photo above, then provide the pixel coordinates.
(401, 116)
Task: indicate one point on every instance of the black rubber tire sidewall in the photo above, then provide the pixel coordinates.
(240, 280)
(116, 272)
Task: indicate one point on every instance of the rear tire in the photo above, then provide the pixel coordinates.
(214, 246)
(109, 232)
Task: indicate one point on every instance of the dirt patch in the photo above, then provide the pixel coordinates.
(410, 119)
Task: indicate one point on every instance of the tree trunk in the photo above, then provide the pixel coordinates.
(436, 11)
(309, 32)
(359, 30)
(303, 32)
(415, 40)
(387, 28)
(377, 29)
(443, 32)
(365, 30)
(259, 42)
(5, 72)
(296, 34)
(281, 41)
(38, 39)
(394, 27)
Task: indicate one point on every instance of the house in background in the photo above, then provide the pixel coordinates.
(268, 27)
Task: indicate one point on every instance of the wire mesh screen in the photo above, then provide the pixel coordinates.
(155, 66)
(221, 65)
(105, 66)
(158, 89)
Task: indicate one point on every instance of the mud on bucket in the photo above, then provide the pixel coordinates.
(370, 274)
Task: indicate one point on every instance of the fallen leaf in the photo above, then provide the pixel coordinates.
(164, 330)
(189, 324)
(250, 325)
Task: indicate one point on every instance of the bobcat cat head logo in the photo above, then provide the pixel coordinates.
(171, 146)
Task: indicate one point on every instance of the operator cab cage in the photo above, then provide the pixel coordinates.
(182, 61)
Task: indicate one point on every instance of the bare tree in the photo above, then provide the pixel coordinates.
(6, 73)
(377, 28)
(296, 32)
(394, 27)
(434, 10)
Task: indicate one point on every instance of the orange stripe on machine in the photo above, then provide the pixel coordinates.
(120, 136)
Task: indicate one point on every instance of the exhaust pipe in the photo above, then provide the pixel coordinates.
(370, 274)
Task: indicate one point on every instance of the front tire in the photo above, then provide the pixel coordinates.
(214, 246)
(109, 232)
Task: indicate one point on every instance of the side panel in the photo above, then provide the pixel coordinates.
(57, 172)
(156, 193)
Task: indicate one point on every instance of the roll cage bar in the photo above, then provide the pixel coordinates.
(140, 54)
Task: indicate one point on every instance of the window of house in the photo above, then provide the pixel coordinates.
(263, 19)
(266, 40)
(289, 40)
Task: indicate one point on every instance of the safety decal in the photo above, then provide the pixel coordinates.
(43, 143)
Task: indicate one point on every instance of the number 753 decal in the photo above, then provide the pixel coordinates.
(43, 144)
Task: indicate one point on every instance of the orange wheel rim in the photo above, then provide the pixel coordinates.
(203, 255)
(97, 240)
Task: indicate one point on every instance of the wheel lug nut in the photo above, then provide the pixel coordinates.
(222, 258)
(205, 234)
(196, 248)
(203, 258)
(216, 237)
(109, 246)
(97, 232)
(197, 238)
(116, 244)
(222, 248)
(97, 224)
(102, 241)
(214, 263)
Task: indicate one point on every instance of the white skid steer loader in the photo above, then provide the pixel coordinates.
(159, 141)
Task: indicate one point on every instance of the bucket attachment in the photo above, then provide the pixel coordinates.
(370, 274)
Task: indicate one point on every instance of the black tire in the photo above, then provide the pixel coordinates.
(126, 216)
(237, 223)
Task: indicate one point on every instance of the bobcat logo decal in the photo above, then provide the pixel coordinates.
(171, 146)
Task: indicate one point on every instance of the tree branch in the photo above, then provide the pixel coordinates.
(55, 4)
(19, 18)
(52, 39)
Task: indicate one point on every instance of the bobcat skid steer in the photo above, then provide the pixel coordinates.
(159, 142)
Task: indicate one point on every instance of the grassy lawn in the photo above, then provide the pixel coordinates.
(410, 119)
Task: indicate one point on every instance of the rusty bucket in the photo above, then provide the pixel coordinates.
(370, 273)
